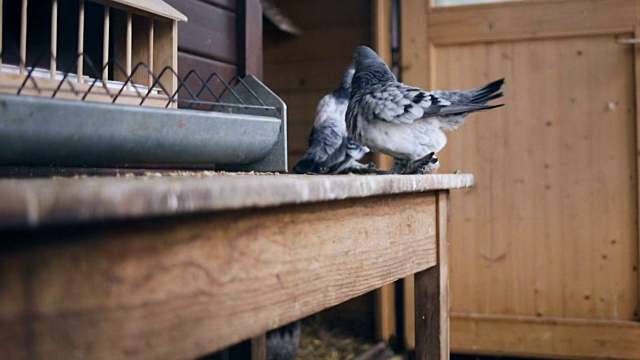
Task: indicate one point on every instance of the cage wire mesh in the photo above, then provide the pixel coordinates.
(194, 90)
(238, 124)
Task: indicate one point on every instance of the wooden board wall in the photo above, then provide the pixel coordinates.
(218, 39)
(302, 69)
(546, 243)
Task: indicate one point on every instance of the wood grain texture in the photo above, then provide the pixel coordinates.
(550, 231)
(432, 296)
(46, 87)
(636, 57)
(39, 202)
(381, 42)
(259, 347)
(527, 20)
(159, 8)
(385, 312)
(210, 32)
(187, 287)
(165, 52)
(544, 338)
(309, 66)
(204, 67)
(250, 54)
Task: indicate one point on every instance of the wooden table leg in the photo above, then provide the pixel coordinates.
(432, 296)
(259, 347)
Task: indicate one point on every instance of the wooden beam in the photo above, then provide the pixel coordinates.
(54, 38)
(80, 70)
(385, 312)
(381, 42)
(382, 45)
(105, 42)
(432, 296)
(414, 62)
(128, 47)
(529, 336)
(636, 56)
(212, 280)
(259, 347)
(524, 20)
(415, 59)
(1, 27)
(250, 57)
(142, 48)
(23, 36)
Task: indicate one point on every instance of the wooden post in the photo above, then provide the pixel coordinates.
(54, 39)
(80, 67)
(23, 36)
(150, 39)
(249, 24)
(105, 43)
(1, 33)
(259, 347)
(432, 296)
(128, 48)
(636, 52)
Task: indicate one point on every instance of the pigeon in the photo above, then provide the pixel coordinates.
(406, 122)
(283, 343)
(331, 150)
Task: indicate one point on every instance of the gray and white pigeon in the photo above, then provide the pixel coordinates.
(406, 122)
(331, 150)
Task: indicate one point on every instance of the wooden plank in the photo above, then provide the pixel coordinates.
(54, 38)
(415, 44)
(141, 48)
(538, 236)
(382, 45)
(432, 296)
(225, 4)
(298, 77)
(80, 66)
(328, 15)
(381, 42)
(526, 20)
(165, 53)
(636, 57)
(385, 312)
(210, 32)
(114, 291)
(105, 42)
(204, 67)
(544, 337)
(156, 7)
(23, 35)
(325, 44)
(249, 20)
(9, 83)
(409, 312)
(259, 347)
(1, 30)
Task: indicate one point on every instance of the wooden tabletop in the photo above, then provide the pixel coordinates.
(37, 202)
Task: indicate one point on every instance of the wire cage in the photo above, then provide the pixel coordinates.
(119, 100)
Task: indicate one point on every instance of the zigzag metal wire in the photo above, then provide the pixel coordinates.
(190, 96)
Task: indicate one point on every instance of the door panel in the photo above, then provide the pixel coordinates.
(544, 248)
(549, 229)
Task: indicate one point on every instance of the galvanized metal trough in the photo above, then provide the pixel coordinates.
(246, 131)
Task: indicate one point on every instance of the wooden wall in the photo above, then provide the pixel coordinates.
(302, 69)
(222, 36)
(544, 248)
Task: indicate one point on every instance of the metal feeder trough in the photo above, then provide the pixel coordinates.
(245, 130)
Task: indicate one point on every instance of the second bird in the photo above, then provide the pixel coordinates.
(407, 122)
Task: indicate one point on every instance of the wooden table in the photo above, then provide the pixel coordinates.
(181, 266)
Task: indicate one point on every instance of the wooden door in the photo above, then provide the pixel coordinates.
(544, 248)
